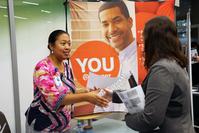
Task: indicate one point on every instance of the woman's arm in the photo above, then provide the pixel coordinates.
(91, 97)
(59, 95)
(159, 89)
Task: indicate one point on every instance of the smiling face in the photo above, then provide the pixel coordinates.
(116, 28)
(62, 47)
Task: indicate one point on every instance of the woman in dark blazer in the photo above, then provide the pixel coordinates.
(166, 86)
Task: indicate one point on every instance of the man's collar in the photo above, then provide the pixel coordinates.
(131, 48)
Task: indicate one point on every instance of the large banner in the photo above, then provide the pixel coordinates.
(107, 41)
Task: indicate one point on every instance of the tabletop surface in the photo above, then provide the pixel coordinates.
(107, 125)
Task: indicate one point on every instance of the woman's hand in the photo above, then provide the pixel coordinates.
(195, 58)
(107, 94)
(94, 98)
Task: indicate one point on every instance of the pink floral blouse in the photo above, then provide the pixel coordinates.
(50, 87)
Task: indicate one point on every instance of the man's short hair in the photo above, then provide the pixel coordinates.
(118, 3)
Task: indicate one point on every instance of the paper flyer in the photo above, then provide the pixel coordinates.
(133, 98)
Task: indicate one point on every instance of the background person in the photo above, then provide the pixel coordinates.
(166, 86)
(54, 89)
(194, 45)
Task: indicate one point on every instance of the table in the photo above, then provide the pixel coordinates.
(107, 125)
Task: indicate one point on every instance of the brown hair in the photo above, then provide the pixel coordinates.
(161, 41)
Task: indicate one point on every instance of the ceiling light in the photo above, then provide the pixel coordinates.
(45, 11)
(3, 7)
(30, 3)
(18, 17)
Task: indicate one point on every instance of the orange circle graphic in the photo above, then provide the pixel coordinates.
(96, 57)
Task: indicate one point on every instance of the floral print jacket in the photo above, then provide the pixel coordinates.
(50, 87)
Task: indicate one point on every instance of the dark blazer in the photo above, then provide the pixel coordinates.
(167, 101)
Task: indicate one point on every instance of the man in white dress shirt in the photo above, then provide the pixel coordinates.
(116, 27)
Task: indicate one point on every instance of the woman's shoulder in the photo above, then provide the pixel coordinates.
(168, 64)
(43, 64)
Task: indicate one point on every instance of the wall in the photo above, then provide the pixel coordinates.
(32, 37)
(34, 20)
(6, 95)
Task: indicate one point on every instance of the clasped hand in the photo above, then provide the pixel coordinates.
(100, 97)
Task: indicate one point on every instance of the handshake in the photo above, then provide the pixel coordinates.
(125, 92)
(106, 87)
(111, 95)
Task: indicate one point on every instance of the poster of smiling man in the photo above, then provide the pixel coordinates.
(107, 45)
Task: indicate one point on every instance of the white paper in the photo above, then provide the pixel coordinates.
(117, 83)
(99, 81)
(134, 99)
(122, 83)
